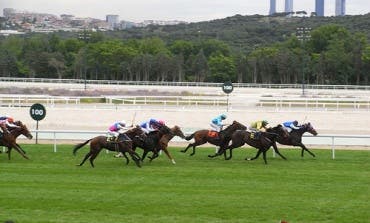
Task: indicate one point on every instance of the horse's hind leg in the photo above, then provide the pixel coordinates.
(135, 157)
(85, 158)
(277, 151)
(186, 149)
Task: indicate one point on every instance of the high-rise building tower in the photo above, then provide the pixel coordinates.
(340, 7)
(319, 7)
(288, 5)
(272, 7)
(113, 21)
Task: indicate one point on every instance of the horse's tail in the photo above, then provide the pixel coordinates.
(78, 146)
(189, 137)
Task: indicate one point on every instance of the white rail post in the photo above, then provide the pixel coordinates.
(55, 142)
(332, 147)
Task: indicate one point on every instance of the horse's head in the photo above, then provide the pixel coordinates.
(237, 126)
(309, 128)
(22, 129)
(176, 130)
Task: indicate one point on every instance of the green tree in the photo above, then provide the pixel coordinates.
(222, 69)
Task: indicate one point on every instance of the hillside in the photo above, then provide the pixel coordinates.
(244, 33)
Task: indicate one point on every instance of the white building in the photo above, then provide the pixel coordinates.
(340, 7)
(113, 21)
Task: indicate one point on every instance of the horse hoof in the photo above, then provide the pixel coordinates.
(173, 161)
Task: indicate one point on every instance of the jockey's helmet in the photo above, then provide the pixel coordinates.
(122, 122)
(161, 122)
(223, 116)
(264, 122)
(10, 120)
(295, 122)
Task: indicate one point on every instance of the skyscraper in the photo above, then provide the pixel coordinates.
(272, 7)
(340, 7)
(113, 21)
(288, 5)
(319, 7)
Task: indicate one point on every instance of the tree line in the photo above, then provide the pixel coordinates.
(331, 55)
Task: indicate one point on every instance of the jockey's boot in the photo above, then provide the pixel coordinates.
(4, 129)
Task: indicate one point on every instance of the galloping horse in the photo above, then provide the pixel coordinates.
(201, 137)
(266, 139)
(295, 137)
(100, 142)
(150, 143)
(163, 142)
(8, 138)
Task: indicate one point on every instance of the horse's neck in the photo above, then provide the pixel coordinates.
(229, 130)
(300, 131)
(168, 136)
(15, 132)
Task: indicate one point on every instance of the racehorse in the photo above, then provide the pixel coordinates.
(262, 143)
(202, 136)
(295, 137)
(150, 143)
(100, 142)
(163, 142)
(9, 137)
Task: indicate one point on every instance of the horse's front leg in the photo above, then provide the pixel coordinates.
(257, 155)
(168, 154)
(19, 150)
(264, 155)
(144, 154)
(126, 157)
(304, 148)
(155, 155)
(219, 152)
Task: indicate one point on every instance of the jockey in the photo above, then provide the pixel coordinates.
(151, 125)
(7, 121)
(216, 123)
(290, 125)
(114, 129)
(259, 126)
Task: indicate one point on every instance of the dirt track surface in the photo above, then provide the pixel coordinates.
(347, 122)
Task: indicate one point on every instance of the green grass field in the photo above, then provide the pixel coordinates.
(50, 188)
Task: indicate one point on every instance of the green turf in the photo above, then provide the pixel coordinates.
(50, 188)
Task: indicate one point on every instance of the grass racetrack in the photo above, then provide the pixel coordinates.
(50, 188)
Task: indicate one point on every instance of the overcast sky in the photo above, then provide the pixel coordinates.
(184, 10)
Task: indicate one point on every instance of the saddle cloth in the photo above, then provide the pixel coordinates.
(212, 134)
